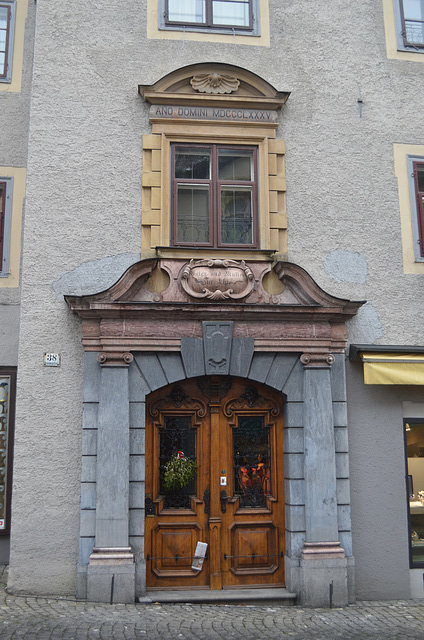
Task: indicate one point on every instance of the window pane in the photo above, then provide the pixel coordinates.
(2, 64)
(2, 40)
(420, 176)
(235, 165)
(3, 17)
(231, 12)
(251, 454)
(193, 164)
(415, 454)
(177, 437)
(236, 215)
(413, 11)
(193, 213)
(186, 11)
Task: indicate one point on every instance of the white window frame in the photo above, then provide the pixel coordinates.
(9, 52)
(413, 199)
(255, 31)
(401, 46)
(4, 270)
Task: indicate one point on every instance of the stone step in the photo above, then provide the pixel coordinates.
(261, 597)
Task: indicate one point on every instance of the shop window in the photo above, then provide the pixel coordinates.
(7, 23)
(214, 196)
(409, 19)
(414, 432)
(6, 185)
(7, 415)
(238, 16)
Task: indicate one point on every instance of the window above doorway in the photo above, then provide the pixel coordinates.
(233, 14)
(239, 17)
(214, 196)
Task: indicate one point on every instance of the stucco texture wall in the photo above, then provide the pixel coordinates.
(84, 205)
(378, 490)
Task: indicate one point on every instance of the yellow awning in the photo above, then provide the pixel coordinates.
(392, 368)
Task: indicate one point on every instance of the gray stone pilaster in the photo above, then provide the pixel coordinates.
(111, 571)
(323, 565)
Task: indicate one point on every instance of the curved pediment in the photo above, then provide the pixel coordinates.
(215, 84)
(157, 303)
(216, 281)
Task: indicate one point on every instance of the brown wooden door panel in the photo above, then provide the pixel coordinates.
(233, 430)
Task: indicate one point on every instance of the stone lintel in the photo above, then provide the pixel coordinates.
(111, 556)
(322, 550)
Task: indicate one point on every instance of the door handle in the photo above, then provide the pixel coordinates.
(223, 498)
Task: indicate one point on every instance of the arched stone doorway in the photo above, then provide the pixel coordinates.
(138, 341)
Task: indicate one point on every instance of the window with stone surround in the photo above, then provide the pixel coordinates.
(214, 196)
(213, 169)
(7, 24)
(231, 16)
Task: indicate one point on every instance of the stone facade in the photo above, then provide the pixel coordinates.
(96, 203)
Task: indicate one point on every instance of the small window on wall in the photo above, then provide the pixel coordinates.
(7, 417)
(414, 432)
(416, 189)
(214, 196)
(7, 23)
(6, 185)
(409, 16)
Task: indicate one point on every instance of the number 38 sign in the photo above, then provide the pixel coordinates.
(51, 360)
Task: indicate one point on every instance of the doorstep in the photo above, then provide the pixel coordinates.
(280, 597)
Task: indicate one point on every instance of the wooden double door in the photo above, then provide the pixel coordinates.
(232, 498)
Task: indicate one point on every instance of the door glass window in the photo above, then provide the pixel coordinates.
(177, 439)
(252, 472)
(414, 431)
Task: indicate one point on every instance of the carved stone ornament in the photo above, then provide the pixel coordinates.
(217, 279)
(214, 83)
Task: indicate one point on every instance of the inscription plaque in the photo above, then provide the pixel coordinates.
(217, 279)
(212, 113)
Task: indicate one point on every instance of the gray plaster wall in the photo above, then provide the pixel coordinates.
(14, 120)
(84, 204)
(377, 473)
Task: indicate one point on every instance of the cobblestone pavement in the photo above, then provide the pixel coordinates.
(53, 618)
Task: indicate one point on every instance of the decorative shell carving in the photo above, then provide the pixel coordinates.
(214, 83)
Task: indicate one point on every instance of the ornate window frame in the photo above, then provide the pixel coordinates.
(244, 116)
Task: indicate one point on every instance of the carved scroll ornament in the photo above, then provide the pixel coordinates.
(214, 83)
(217, 279)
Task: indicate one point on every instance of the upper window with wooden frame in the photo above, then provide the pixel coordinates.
(214, 196)
(233, 16)
(7, 24)
(409, 19)
(416, 173)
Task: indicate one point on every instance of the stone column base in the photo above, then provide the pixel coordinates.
(111, 575)
(323, 575)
